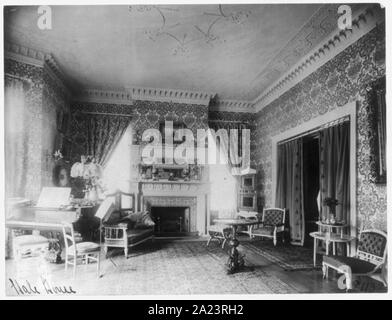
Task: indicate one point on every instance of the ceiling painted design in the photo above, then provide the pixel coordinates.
(236, 51)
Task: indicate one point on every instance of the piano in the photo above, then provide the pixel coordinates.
(53, 208)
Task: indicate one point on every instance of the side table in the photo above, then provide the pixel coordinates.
(330, 238)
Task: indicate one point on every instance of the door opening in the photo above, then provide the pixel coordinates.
(311, 184)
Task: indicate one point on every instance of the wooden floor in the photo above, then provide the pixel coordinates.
(299, 281)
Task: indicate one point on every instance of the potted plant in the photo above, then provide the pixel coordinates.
(331, 203)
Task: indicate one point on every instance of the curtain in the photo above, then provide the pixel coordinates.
(235, 132)
(16, 146)
(223, 183)
(335, 169)
(103, 134)
(289, 192)
(120, 167)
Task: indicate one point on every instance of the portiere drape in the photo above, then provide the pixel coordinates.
(16, 142)
(289, 187)
(103, 134)
(335, 169)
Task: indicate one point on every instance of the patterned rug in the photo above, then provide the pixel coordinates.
(289, 257)
(189, 268)
(169, 268)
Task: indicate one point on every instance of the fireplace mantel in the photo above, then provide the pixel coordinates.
(198, 191)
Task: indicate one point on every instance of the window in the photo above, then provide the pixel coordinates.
(117, 172)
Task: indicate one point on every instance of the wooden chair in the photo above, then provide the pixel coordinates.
(85, 250)
(219, 232)
(272, 223)
(369, 259)
(123, 202)
(250, 215)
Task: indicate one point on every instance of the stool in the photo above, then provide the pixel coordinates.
(28, 245)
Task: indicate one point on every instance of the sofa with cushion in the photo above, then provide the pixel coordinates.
(128, 231)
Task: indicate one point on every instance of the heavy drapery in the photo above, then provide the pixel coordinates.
(335, 169)
(234, 147)
(103, 135)
(289, 187)
(16, 142)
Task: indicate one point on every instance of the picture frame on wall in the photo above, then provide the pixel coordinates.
(62, 120)
(378, 104)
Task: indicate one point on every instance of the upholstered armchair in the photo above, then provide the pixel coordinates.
(272, 223)
(369, 260)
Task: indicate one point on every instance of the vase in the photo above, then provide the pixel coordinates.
(93, 195)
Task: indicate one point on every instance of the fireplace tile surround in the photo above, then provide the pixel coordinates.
(189, 194)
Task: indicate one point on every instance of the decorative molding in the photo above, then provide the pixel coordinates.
(171, 95)
(167, 186)
(145, 94)
(335, 43)
(233, 106)
(36, 58)
(105, 96)
(56, 73)
(24, 54)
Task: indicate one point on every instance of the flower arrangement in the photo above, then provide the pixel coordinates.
(58, 155)
(90, 172)
(331, 203)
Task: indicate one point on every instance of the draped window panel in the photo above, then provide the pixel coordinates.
(235, 133)
(16, 138)
(223, 183)
(289, 187)
(335, 170)
(103, 134)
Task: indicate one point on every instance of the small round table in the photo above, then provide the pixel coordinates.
(329, 238)
(235, 261)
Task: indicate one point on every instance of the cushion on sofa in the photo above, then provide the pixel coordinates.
(264, 231)
(357, 266)
(136, 235)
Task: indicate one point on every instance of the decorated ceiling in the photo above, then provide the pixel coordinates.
(236, 51)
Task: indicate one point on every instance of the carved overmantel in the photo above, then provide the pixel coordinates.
(185, 191)
(170, 187)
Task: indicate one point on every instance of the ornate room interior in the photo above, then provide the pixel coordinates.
(301, 206)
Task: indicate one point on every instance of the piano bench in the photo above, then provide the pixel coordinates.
(29, 245)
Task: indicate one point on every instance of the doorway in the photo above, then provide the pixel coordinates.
(311, 184)
(348, 111)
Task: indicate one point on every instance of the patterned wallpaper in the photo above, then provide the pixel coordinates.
(40, 123)
(144, 115)
(54, 101)
(341, 80)
(32, 123)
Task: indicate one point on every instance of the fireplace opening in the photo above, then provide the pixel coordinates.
(171, 221)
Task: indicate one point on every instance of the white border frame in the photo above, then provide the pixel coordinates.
(350, 109)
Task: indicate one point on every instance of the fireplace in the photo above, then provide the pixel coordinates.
(171, 221)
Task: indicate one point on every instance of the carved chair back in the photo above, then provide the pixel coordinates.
(273, 216)
(372, 246)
